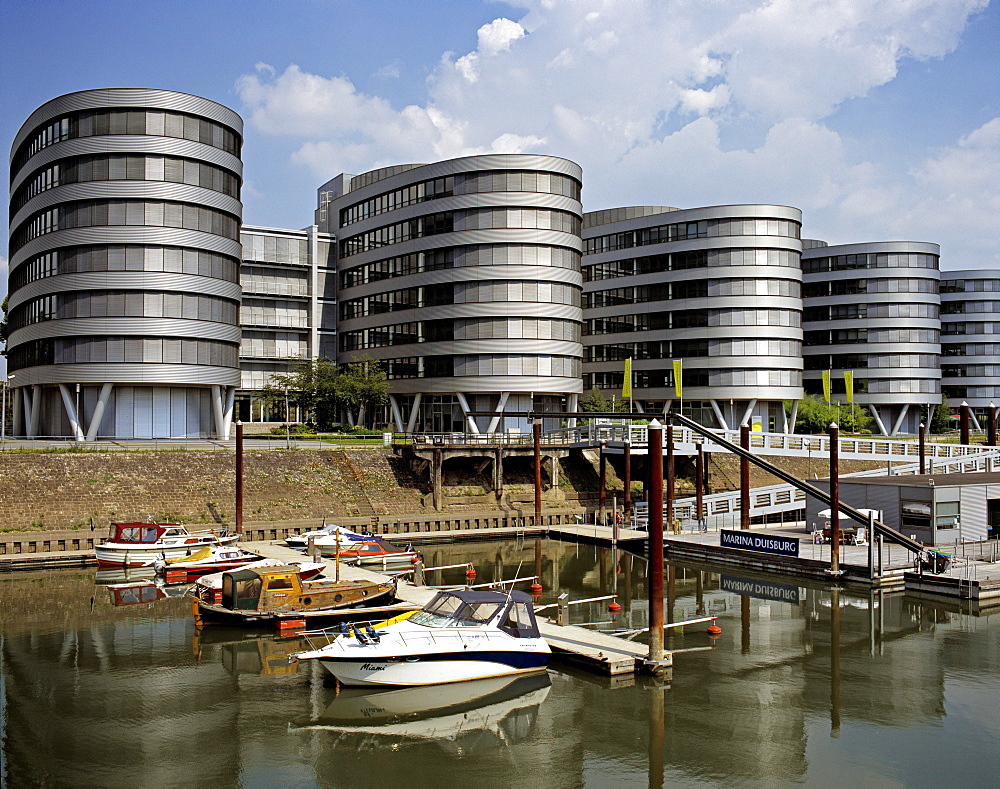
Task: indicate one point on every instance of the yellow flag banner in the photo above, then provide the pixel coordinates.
(826, 385)
(849, 385)
(678, 387)
(627, 383)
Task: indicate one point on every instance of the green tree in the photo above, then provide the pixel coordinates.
(942, 420)
(815, 416)
(362, 388)
(326, 390)
(4, 328)
(594, 402)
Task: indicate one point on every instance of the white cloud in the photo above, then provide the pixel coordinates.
(665, 102)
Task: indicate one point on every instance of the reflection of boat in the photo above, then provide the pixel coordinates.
(460, 635)
(141, 544)
(123, 575)
(376, 554)
(209, 587)
(505, 707)
(266, 594)
(210, 559)
(140, 592)
(243, 652)
(325, 536)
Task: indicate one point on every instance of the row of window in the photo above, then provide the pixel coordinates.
(682, 231)
(461, 329)
(529, 218)
(107, 213)
(837, 312)
(154, 123)
(516, 364)
(869, 260)
(543, 292)
(128, 167)
(664, 378)
(275, 282)
(161, 350)
(691, 289)
(850, 361)
(970, 285)
(273, 345)
(125, 257)
(472, 255)
(971, 349)
(685, 349)
(849, 336)
(972, 371)
(953, 328)
(466, 183)
(452, 221)
(398, 334)
(968, 392)
(683, 319)
(850, 287)
(273, 312)
(969, 307)
(275, 249)
(127, 304)
(698, 258)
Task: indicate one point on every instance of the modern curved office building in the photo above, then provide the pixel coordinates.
(124, 266)
(463, 279)
(970, 338)
(874, 310)
(716, 290)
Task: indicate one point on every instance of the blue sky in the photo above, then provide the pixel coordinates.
(881, 120)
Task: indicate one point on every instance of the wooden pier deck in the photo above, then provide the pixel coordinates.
(595, 651)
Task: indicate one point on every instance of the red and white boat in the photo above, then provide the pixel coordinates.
(376, 554)
(210, 559)
(141, 544)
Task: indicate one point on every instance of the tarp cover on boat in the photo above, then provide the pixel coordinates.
(139, 532)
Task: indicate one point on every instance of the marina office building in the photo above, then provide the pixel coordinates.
(140, 306)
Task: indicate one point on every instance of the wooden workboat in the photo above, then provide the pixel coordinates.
(142, 544)
(264, 595)
(209, 587)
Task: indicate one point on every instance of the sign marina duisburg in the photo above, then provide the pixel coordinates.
(762, 543)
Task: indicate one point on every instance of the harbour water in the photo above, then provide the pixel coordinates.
(113, 687)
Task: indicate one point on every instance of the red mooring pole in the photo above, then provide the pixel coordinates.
(655, 459)
(991, 439)
(834, 498)
(239, 478)
(964, 423)
(627, 505)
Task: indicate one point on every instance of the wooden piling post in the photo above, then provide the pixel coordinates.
(239, 477)
(536, 438)
(744, 478)
(834, 498)
(922, 447)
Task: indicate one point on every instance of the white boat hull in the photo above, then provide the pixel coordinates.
(428, 671)
(139, 555)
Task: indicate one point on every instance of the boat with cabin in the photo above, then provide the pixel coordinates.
(325, 536)
(209, 587)
(460, 635)
(142, 544)
(375, 554)
(268, 595)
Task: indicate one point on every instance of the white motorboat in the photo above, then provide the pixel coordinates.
(460, 635)
(325, 536)
(210, 559)
(142, 544)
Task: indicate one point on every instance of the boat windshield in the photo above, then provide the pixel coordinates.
(449, 611)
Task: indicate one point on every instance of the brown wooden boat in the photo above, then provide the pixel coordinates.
(263, 595)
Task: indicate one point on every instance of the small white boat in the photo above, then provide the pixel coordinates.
(325, 536)
(142, 544)
(460, 635)
(210, 559)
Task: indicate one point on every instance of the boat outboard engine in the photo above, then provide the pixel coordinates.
(372, 635)
(359, 635)
(344, 629)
